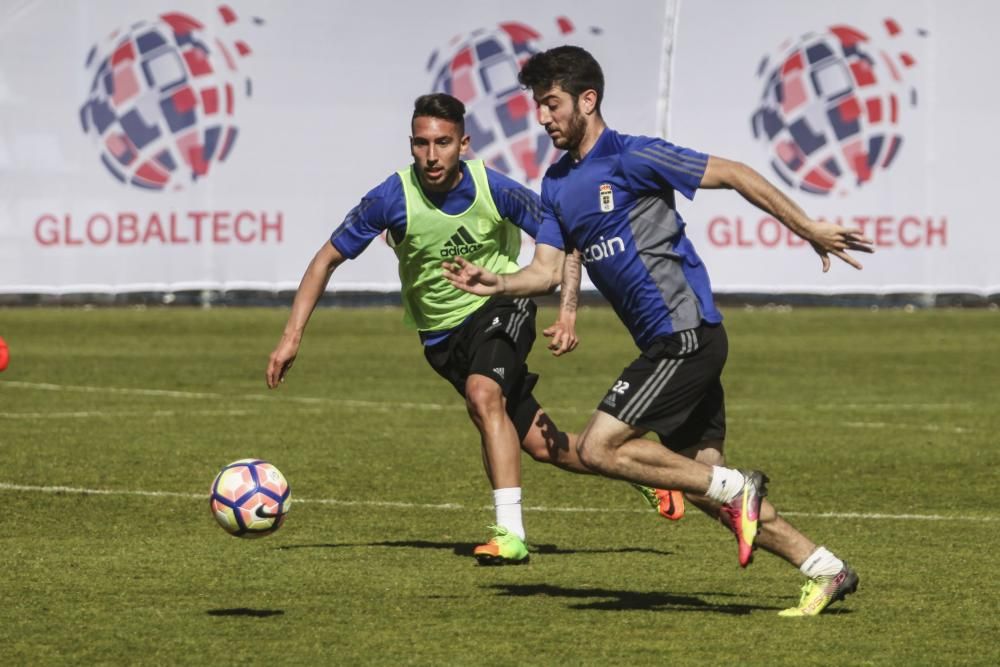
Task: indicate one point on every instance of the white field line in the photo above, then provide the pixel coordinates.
(873, 516)
(138, 414)
(386, 406)
(169, 414)
(204, 395)
(930, 428)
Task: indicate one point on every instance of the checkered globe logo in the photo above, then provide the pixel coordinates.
(830, 110)
(162, 101)
(480, 68)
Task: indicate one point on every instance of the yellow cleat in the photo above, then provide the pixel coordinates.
(821, 592)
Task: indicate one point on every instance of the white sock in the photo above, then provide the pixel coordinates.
(725, 484)
(508, 506)
(821, 563)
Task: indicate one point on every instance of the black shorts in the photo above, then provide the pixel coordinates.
(674, 388)
(495, 342)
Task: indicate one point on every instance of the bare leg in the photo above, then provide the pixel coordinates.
(612, 448)
(501, 452)
(776, 534)
(545, 443)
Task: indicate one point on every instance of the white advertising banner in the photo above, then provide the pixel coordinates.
(179, 144)
(876, 115)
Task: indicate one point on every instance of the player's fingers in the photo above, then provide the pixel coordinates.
(843, 256)
(860, 247)
(454, 278)
(568, 344)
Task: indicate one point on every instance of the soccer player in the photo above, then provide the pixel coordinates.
(438, 207)
(612, 197)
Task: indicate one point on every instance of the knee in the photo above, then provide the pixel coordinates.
(593, 454)
(483, 397)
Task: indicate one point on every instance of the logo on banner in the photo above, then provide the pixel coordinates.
(163, 99)
(831, 107)
(480, 68)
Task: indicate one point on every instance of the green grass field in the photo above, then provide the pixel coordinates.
(878, 429)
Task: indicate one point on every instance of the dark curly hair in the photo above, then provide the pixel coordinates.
(570, 67)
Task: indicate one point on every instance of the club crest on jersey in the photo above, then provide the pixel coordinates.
(607, 198)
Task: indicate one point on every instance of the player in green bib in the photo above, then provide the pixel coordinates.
(438, 208)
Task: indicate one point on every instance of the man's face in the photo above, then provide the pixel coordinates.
(561, 117)
(436, 146)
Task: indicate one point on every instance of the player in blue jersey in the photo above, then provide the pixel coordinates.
(611, 198)
(439, 207)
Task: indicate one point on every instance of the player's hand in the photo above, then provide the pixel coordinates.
(281, 362)
(828, 239)
(471, 278)
(563, 338)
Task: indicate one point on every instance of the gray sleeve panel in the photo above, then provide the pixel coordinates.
(654, 226)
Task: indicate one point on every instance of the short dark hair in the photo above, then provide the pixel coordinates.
(570, 67)
(440, 105)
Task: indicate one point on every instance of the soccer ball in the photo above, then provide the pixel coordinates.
(250, 498)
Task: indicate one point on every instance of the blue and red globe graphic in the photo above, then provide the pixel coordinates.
(480, 68)
(162, 102)
(830, 111)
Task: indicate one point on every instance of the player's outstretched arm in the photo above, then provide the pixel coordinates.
(542, 276)
(311, 288)
(562, 333)
(826, 238)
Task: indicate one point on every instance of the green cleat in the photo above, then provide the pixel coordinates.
(504, 548)
(670, 504)
(821, 592)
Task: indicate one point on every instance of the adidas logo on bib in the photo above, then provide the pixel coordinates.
(460, 243)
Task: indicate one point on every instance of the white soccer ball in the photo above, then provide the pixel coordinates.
(250, 498)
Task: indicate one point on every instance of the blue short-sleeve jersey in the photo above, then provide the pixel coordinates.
(384, 209)
(617, 207)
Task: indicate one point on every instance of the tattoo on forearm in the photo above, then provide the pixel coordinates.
(569, 293)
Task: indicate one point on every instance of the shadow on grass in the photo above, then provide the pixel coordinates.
(616, 600)
(460, 549)
(244, 611)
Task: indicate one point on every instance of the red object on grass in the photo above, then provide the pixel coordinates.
(4, 354)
